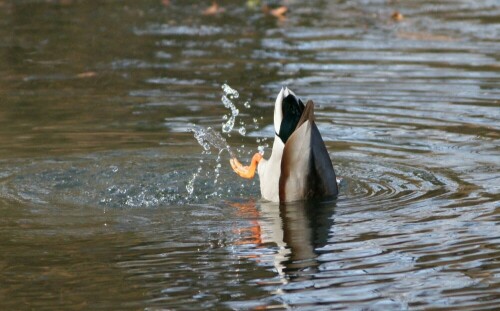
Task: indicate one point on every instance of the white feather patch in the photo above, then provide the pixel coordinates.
(269, 172)
(278, 111)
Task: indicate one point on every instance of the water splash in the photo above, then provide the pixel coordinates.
(190, 184)
(229, 91)
(211, 139)
(227, 100)
(208, 137)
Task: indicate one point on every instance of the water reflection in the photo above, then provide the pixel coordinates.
(295, 232)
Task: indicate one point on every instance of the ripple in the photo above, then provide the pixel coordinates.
(160, 29)
(120, 180)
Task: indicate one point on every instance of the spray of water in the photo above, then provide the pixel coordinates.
(227, 99)
(210, 138)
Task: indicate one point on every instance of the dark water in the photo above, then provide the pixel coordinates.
(97, 99)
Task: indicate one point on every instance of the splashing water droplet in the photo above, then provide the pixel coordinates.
(228, 126)
(255, 123)
(209, 137)
(230, 92)
(261, 149)
(199, 134)
(190, 184)
(212, 140)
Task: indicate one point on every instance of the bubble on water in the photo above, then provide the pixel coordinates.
(242, 131)
(247, 105)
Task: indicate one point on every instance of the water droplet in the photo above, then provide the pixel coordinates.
(247, 105)
(230, 91)
(261, 149)
(242, 131)
(190, 184)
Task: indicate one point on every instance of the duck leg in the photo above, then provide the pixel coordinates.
(246, 171)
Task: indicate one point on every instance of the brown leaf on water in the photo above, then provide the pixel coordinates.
(278, 12)
(87, 74)
(165, 2)
(397, 16)
(214, 9)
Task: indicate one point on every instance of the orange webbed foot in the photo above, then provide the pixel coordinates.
(246, 171)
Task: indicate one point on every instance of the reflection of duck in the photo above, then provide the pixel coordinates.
(299, 167)
(297, 230)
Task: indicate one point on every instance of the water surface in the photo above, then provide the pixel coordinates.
(97, 105)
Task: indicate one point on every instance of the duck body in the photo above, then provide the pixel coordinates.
(299, 167)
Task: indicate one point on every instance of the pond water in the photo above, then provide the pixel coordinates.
(107, 200)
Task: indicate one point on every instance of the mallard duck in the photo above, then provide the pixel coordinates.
(299, 167)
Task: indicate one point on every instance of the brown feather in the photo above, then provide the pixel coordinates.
(309, 154)
(307, 114)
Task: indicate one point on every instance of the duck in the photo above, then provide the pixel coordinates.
(299, 167)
